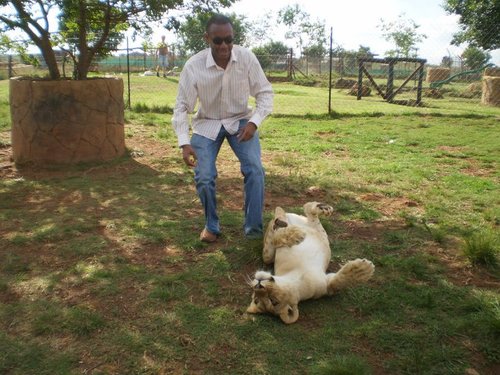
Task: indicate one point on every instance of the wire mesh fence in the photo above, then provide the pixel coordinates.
(335, 78)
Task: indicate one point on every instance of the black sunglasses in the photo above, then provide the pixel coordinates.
(218, 40)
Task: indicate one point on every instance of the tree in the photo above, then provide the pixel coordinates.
(261, 29)
(364, 51)
(191, 30)
(301, 28)
(87, 29)
(404, 34)
(269, 53)
(446, 62)
(479, 22)
(316, 50)
(348, 59)
(20, 47)
(475, 57)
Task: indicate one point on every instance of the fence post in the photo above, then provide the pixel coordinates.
(10, 66)
(360, 78)
(128, 76)
(330, 78)
(390, 81)
(420, 79)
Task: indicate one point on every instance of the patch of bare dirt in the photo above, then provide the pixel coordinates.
(390, 206)
(459, 271)
(475, 169)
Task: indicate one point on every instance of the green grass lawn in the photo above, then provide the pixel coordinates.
(101, 270)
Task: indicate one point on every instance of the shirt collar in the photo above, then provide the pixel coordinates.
(210, 59)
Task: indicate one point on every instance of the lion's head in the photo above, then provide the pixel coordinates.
(271, 297)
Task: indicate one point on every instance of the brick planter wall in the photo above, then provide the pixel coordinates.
(67, 121)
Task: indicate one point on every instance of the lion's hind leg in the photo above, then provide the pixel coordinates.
(313, 210)
(351, 274)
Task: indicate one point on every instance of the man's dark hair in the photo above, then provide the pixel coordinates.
(218, 19)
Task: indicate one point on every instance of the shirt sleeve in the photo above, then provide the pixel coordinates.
(261, 90)
(184, 105)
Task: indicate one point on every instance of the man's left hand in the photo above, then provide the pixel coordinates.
(246, 133)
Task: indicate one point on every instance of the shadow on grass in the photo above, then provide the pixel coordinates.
(106, 259)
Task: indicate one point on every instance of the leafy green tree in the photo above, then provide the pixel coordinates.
(348, 59)
(191, 29)
(19, 47)
(404, 34)
(317, 50)
(475, 57)
(88, 29)
(364, 51)
(446, 62)
(270, 53)
(301, 28)
(261, 30)
(479, 22)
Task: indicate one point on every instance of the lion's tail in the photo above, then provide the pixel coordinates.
(351, 274)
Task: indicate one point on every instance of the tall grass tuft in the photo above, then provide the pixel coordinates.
(482, 248)
(145, 108)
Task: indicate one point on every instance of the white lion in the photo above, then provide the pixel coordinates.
(300, 250)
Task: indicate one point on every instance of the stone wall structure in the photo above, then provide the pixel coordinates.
(67, 121)
(491, 87)
(437, 74)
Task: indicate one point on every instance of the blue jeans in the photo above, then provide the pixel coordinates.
(205, 174)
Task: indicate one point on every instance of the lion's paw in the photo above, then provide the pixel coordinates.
(353, 273)
(288, 236)
(358, 270)
(316, 208)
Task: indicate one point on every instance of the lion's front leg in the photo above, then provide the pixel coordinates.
(288, 236)
(279, 221)
(268, 252)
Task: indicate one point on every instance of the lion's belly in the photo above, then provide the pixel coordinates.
(311, 254)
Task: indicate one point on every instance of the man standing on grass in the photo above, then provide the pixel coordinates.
(221, 80)
(162, 55)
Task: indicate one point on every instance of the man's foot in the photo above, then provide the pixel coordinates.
(208, 237)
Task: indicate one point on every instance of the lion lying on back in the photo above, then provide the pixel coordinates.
(300, 250)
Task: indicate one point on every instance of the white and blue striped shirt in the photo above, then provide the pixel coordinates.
(222, 94)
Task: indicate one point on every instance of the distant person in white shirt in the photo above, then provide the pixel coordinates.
(162, 55)
(221, 80)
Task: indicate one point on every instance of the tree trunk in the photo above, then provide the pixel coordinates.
(50, 58)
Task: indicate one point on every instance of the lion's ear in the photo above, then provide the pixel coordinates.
(280, 213)
(253, 308)
(290, 314)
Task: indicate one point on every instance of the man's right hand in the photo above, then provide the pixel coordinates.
(189, 156)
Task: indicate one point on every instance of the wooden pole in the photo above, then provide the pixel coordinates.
(330, 78)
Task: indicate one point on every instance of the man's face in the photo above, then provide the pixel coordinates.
(220, 39)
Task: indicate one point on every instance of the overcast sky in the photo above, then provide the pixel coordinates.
(354, 22)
